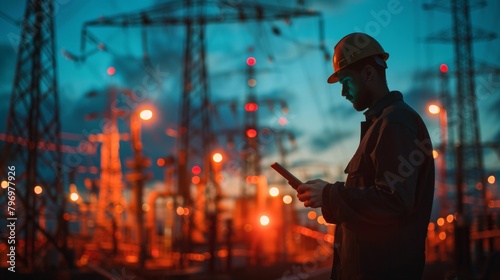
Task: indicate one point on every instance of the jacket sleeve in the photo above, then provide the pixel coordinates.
(327, 211)
(396, 159)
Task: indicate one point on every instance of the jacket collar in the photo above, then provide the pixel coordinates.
(376, 110)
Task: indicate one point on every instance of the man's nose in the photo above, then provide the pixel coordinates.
(345, 91)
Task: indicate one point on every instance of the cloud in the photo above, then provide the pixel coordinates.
(419, 98)
(323, 141)
(493, 107)
(342, 110)
(8, 58)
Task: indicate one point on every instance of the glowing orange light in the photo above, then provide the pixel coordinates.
(111, 70)
(491, 179)
(321, 220)
(196, 169)
(251, 133)
(5, 184)
(146, 114)
(74, 196)
(217, 157)
(160, 162)
(222, 253)
(38, 189)
(252, 179)
(180, 211)
(435, 154)
(146, 207)
(155, 252)
(443, 68)
(287, 199)
(196, 180)
(131, 259)
(312, 215)
(251, 61)
(434, 109)
(431, 226)
(442, 235)
(186, 211)
(264, 220)
(440, 222)
(274, 191)
(450, 218)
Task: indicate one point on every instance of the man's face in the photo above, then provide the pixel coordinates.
(354, 89)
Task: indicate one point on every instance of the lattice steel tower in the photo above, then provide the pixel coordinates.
(469, 154)
(33, 144)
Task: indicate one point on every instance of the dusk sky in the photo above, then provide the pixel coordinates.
(325, 124)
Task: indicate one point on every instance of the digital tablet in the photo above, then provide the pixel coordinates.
(292, 180)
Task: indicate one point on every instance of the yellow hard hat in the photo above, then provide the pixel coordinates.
(355, 47)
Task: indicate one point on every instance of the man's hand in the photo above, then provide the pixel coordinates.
(311, 193)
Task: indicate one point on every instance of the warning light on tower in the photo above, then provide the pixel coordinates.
(251, 132)
(251, 107)
(196, 170)
(251, 61)
(111, 70)
(443, 68)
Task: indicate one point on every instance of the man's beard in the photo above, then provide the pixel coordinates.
(363, 100)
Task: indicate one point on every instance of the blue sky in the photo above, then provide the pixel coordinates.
(325, 124)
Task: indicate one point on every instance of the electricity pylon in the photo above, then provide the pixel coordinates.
(38, 212)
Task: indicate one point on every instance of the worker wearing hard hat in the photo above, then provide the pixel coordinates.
(383, 208)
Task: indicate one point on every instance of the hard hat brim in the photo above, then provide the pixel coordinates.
(333, 78)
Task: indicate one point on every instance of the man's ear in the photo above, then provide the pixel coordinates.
(368, 72)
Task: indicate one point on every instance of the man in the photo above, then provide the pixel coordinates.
(383, 208)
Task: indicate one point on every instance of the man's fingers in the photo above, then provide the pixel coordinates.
(303, 196)
(302, 188)
(312, 204)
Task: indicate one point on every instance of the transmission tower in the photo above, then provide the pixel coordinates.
(251, 153)
(34, 117)
(110, 201)
(469, 155)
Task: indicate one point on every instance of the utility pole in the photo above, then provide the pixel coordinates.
(34, 116)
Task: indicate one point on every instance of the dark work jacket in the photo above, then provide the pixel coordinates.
(383, 209)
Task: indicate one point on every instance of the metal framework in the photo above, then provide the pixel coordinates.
(34, 117)
(469, 155)
(251, 151)
(195, 135)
